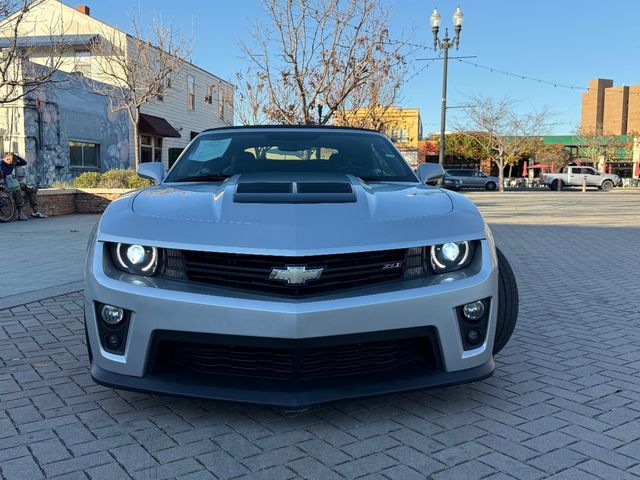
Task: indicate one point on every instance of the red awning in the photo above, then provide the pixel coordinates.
(157, 126)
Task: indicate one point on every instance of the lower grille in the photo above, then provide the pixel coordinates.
(296, 364)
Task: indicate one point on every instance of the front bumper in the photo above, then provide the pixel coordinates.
(199, 311)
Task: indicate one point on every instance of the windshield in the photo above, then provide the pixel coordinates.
(219, 155)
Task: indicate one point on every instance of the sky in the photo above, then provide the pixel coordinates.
(566, 42)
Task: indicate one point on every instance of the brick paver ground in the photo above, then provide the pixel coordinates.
(564, 402)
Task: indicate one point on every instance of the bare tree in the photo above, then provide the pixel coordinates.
(503, 134)
(133, 70)
(369, 104)
(252, 99)
(598, 148)
(317, 52)
(19, 77)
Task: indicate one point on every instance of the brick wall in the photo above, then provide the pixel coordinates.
(593, 105)
(54, 201)
(88, 201)
(616, 101)
(633, 115)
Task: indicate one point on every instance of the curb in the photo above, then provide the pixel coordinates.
(42, 294)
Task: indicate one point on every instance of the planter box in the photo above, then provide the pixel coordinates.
(59, 201)
(95, 200)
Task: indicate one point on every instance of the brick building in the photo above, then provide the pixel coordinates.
(609, 110)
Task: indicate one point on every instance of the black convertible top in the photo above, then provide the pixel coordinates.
(275, 127)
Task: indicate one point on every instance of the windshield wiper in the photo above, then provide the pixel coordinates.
(210, 177)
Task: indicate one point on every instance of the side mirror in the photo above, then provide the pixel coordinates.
(153, 171)
(430, 173)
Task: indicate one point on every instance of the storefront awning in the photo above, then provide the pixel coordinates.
(158, 126)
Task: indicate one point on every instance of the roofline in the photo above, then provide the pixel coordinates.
(291, 127)
(119, 30)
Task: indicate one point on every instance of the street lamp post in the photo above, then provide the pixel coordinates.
(444, 45)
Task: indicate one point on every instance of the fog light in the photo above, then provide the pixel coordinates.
(474, 336)
(111, 315)
(473, 311)
(112, 340)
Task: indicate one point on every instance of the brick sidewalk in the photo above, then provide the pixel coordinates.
(564, 402)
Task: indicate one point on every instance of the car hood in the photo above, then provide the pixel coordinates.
(212, 216)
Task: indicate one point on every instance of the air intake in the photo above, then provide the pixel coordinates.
(294, 192)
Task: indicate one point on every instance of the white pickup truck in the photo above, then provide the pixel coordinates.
(574, 176)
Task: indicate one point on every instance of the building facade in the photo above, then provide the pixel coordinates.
(402, 125)
(609, 109)
(63, 129)
(86, 141)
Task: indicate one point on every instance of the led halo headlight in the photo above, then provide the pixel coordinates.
(450, 256)
(137, 259)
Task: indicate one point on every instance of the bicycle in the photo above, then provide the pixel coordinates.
(7, 205)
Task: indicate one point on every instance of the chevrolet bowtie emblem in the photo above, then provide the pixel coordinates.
(296, 274)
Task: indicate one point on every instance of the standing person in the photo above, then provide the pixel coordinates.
(9, 161)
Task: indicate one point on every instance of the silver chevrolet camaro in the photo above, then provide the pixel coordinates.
(292, 266)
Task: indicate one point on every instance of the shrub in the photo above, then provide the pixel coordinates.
(87, 180)
(117, 178)
(136, 182)
(62, 184)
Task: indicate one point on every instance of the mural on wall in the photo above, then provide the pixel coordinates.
(59, 113)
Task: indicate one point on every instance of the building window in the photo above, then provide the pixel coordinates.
(83, 63)
(173, 154)
(191, 92)
(150, 149)
(209, 98)
(224, 100)
(83, 155)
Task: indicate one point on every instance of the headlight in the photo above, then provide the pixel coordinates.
(450, 256)
(137, 259)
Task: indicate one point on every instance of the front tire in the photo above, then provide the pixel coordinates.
(86, 339)
(490, 186)
(507, 303)
(607, 185)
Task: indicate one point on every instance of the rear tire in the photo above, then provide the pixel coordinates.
(554, 185)
(607, 185)
(507, 303)
(491, 186)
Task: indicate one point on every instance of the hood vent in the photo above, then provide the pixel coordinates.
(265, 187)
(294, 192)
(324, 187)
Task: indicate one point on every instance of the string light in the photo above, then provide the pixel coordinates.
(554, 84)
